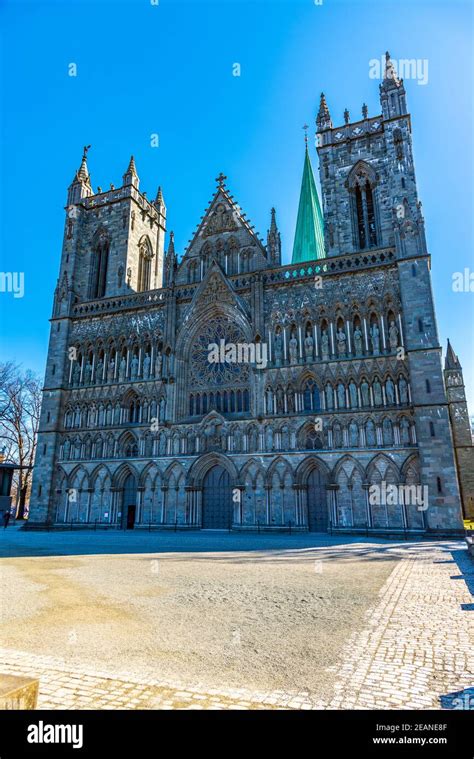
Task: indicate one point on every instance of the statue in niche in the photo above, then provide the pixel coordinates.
(99, 372)
(278, 348)
(405, 432)
(146, 366)
(341, 342)
(308, 346)
(111, 370)
(403, 389)
(353, 434)
(358, 341)
(159, 363)
(290, 400)
(76, 373)
(329, 397)
(341, 395)
(293, 349)
(325, 344)
(122, 369)
(377, 388)
(337, 436)
(134, 367)
(353, 394)
(393, 335)
(370, 433)
(390, 391)
(279, 400)
(87, 373)
(269, 439)
(162, 444)
(364, 388)
(375, 339)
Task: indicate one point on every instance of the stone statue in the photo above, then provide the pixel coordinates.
(278, 348)
(308, 347)
(341, 395)
(325, 344)
(87, 373)
(76, 373)
(341, 341)
(146, 366)
(122, 369)
(393, 335)
(390, 391)
(293, 349)
(403, 389)
(279, 400)
(99, 372)
(111, 370)
(329, 397)
(375, 338)
(290, 400)
(370, 433)
(364, 388)
(358, 341)
(159, 363)
(377, 388)
(353, 434)
(353, 394)
(134, 367)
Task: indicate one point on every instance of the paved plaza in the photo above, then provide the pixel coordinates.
(122, 620)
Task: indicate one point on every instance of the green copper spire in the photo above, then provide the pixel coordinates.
(309, 235)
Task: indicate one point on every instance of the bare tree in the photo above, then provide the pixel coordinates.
(20, 406)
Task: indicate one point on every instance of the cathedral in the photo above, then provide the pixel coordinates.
(220, 389)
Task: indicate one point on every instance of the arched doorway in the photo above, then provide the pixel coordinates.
(216, 499)
(317, 501)
(129, 502)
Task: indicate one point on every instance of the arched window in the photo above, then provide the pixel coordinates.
(361, 182)
(311, 400)
(100, 258)
(144, 265)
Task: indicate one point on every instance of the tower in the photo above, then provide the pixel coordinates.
(461, 429)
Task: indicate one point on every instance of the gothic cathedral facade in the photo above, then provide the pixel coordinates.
(327, 380)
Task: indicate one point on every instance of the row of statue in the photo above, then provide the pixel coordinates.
(117, 371)
(341, 343)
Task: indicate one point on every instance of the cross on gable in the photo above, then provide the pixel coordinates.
(220, 179)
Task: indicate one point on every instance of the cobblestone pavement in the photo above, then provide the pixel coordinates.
(416, 651)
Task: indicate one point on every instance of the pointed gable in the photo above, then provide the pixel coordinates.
(215, 288)
(223, 216)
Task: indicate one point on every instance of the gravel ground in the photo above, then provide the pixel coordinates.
(274, 617)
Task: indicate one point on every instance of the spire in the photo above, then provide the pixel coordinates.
(159, 196)
(80, 186)
(131, 177)
(274, 240)
(451, 361)
(390, 73)
(309, 235)
(323, 119)
(171, 245)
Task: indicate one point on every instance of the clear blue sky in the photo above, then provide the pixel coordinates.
(167, 69)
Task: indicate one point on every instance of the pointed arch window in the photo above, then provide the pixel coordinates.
(144, 265)
(361, 182)
(99, 266)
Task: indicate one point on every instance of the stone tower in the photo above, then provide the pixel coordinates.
(370, 201)
(461, 429)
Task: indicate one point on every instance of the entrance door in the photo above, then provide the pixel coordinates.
(217, 500)
(129, 502)
(131, 517)
(317, 504)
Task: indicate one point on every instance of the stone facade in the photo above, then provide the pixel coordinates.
(336, 386)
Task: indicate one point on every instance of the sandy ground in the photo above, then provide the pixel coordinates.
(273, 617)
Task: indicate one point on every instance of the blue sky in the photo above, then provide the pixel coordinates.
(166, 69)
